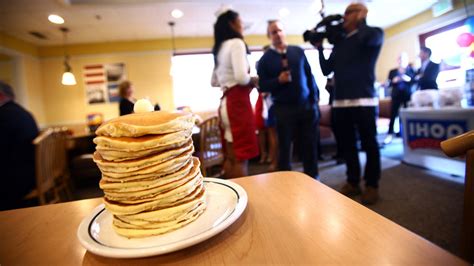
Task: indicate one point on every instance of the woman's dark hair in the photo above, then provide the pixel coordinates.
(123, 87)
(223, 31)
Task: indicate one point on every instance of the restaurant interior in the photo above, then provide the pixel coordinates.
(66, 71)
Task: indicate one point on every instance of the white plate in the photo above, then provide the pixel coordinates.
(226, 201)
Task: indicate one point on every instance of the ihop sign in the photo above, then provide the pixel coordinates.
(428, 134)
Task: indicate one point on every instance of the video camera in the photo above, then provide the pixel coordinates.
(329, 28)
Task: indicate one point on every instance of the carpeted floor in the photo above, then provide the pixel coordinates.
(425, 202)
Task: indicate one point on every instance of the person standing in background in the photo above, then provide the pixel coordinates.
(265, 121)
(331, 87)
(428, 72)
(285, 72)
(126, 98)
(18, 129)
(355, 102)
(400, 80)
(231, 72)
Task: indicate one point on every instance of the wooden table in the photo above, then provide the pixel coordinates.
(290, 219)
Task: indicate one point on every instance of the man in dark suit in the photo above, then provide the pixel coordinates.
(18, 129)
(400, 80)
(428, 72)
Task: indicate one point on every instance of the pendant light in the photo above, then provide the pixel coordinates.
(173, 44)
(68, 76)
(173, 47)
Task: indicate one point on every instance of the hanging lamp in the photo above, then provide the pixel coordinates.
(68, 77)
(173, 47)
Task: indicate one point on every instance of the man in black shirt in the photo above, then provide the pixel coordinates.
(355, 101)
(428, 72)
(17, 158)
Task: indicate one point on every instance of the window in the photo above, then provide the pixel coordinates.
(192, 80)
(313, 59)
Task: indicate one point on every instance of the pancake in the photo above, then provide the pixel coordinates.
(163, 195)
(174, 217)
(128, 144)
(141, 163)
(140, 124)
(164, 168)
(177, 197)
(157, 171)
(116, 155)
(152, 190)
(147, 183)
(149, 228)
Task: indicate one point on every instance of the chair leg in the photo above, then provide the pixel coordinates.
(42, 198)
(67, 187)
(467, 239)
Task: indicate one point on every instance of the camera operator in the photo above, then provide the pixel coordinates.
(355, 103)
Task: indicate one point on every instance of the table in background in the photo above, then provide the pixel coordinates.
(84, 172)
(290, 219)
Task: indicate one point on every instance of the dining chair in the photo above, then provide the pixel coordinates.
(210, 147)
(463, 145)
(52, 182)
(61, 165)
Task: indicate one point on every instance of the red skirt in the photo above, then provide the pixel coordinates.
(259, 121)
(242, 122)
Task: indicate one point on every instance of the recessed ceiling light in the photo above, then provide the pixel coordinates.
(176, 13)
(284, 12)
(55, 19)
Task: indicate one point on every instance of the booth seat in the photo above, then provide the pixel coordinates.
(327, 136)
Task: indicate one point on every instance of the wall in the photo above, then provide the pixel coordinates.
(148, 71)
(403, 37)
(6, 71)
(32, 75)
(25, 74)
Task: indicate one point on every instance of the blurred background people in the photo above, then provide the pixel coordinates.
(355, 102)
(231, 72)
(331, 87)
(18, 129)
(267, 136)
(400, 81)
(157, 107)
(285, 72)
(265, 122)
(428, 72)
(126, 98)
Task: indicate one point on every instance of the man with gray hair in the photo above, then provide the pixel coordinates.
(285, 72)
(18, 129)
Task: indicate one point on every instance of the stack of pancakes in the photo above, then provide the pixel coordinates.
(151, 182)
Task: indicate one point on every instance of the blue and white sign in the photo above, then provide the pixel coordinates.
(428, 133)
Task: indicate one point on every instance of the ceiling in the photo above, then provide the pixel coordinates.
(92, 21)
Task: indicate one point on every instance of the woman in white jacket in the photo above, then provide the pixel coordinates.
(235, 111)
